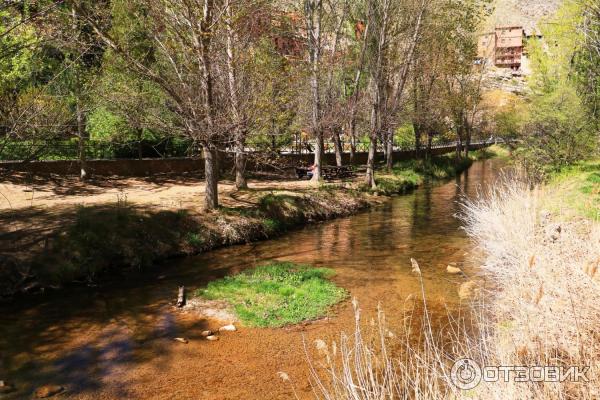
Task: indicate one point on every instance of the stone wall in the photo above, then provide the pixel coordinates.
(147, 167)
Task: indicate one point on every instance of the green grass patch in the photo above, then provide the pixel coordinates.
(277, 294)
(575, 190)
(399, 182)
(442, 167)
(495, 151)
(195, 240)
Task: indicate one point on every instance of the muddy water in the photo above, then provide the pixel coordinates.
(112, 343)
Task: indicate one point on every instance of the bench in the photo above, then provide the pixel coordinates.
(302, 173)
(329, 173)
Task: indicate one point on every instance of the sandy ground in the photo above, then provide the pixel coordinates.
(19, 192)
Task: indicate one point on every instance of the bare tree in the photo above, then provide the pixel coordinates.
(362, 34)
(238, 120)
(182, 35)
(338, 12)
(313, 15)
(407, 59)
(380, 23)
(388, 50)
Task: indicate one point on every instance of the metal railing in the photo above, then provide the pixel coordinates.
(69, 150)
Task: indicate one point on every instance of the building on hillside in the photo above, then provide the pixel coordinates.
(509, 46)
(503, 47)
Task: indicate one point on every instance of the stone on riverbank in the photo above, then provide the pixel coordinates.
(48, 391)
(228, 328)
(6, 387)
(453, 270)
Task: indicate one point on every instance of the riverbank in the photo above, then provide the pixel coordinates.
(53, 246)
(532, 304)
(543, 287)
(116, 340)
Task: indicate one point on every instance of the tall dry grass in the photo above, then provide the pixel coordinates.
(540, 306)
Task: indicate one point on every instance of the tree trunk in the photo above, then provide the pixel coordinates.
(458, 146)
(337, 142)
(211, 197)
(240, 163)
(417, 129)
(352, 140)
(239, 133)
(313, 11)
(78, 110)
(467, 146)
(390, 151)
(140, 132)
(370, 176)
(81, 147)
(383, 138)
(429, 143)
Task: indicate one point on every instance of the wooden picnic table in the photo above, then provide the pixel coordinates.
(329, 172)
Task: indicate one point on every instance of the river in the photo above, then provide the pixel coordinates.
(116, 342)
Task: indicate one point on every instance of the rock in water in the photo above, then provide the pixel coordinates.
(48, 391)
(181, 340)
(206, 333)
(453, 270)
(228, 328)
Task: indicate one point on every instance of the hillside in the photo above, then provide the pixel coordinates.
(527, 13)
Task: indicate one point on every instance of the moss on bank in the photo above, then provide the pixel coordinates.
(277, 294)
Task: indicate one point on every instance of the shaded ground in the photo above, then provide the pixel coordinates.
(163, 192)
(58, 230)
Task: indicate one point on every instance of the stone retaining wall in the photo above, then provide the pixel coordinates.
(147, 167)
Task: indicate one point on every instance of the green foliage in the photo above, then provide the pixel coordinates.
(496, 151)
(277, 294)
(16, 48)
(105, 125)
(401, 182)
(442, 167)
(558, 131)
(576, 187)
(273, 225)
(195, 240)
(276, 102)
(405, 136)
(409, 174)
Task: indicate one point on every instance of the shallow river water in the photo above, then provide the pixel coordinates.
(116, 342)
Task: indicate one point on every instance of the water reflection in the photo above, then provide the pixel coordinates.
(115, 340)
